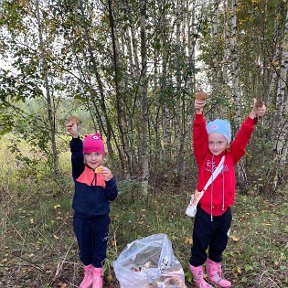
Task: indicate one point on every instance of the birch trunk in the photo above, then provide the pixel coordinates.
(191, 45)
(166, 132)
(119, 91)
(177, 106)
(135, 74)
(49, 98)
(215, 56)
(166, 128)
(156, 90)
(235, 68)
(226, 43)
(100, 86)
(241, 168)
(180, 129)
(282, 113)
(144, 111)
(96, 109)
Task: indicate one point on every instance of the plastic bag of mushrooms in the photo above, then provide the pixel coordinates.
(149, 263)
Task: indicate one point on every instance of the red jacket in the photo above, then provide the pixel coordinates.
(224, 182)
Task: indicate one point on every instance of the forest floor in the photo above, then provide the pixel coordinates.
(38, 247)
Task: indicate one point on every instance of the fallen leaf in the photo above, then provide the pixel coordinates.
(237, 270)
(234, 238)
(188, 240)
(109, 277)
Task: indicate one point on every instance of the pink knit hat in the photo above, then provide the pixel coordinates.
(93, 143)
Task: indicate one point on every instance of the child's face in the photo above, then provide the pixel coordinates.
(93, 159)
(217, 143)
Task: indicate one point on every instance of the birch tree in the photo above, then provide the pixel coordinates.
(234, 65)
(241, 170)
(281, 112)
(144, 110)
(132, 65)
(119, 89)
(49, 100)
(31, 76)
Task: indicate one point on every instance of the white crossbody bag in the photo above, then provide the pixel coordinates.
(195, 198)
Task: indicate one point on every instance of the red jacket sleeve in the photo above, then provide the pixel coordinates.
(241, 139)
(200, 138)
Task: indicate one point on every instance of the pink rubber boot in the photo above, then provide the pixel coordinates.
(215, 274)
(87, 280)
(198, 277)
(97, 277)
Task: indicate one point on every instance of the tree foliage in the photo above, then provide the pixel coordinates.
(134, 67)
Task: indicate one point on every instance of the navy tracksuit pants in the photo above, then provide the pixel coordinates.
(92, 235)
(212, 234)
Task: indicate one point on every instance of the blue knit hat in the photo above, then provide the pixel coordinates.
(220, 126)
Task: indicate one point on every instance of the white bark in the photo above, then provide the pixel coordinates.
(226, 43)
(177, 112)
(282, 110)
(235, 67)
(48, 96)
(144, 111)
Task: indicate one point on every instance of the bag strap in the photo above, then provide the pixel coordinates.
(215, 173)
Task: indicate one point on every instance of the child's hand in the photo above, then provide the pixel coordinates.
(72, 126)
(106, 172)
(200, 101)
(199, 104)
(258, 109)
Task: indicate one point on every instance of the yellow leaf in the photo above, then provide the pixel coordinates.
(237, 270)
(109, 277)
(188, 240)
(234, 238)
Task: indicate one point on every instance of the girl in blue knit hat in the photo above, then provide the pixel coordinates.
(95, 186)
(212, 143)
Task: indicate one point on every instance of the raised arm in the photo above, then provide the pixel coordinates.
(200, 136)
(76, 147)
(244, 134)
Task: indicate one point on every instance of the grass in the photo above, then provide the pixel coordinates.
(38, 248)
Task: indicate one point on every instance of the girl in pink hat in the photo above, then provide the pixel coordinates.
(213, 218)
(95, 186)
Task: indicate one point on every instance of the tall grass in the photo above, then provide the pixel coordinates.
(38, 248)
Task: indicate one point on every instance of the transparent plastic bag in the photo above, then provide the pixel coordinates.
(149, 263)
